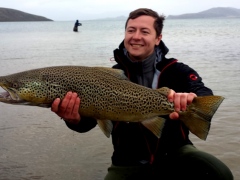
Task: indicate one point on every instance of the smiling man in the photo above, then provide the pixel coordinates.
(138, 154)
(141, 37)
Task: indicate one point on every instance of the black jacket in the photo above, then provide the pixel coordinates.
(133, 143)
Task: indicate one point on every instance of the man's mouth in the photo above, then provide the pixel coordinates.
(136, 45)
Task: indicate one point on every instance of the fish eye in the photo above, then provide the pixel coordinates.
(15, 85)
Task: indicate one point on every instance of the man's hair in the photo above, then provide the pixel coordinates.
(158, 23)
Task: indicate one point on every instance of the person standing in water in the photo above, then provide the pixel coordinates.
(75, 28)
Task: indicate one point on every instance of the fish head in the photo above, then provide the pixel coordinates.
(25, 88)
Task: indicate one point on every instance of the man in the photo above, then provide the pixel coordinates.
(138, 154)
(75, 28)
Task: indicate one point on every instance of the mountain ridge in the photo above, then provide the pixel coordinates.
(12, 15)
(217, 12)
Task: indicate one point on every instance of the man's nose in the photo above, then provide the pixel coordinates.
(137, 35)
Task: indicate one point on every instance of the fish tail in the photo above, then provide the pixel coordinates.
(199, 114)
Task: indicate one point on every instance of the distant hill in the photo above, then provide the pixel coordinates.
(7, 15)
(219, 12)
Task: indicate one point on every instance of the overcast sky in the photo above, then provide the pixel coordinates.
(64, 10)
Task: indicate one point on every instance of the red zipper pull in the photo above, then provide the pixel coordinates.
(151, 159)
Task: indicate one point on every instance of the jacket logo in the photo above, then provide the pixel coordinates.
(193, 77)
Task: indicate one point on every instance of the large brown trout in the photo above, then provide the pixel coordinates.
(107, 95)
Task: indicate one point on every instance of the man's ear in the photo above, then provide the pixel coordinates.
(158, 39)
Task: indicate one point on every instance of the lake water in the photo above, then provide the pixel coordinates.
(36, 144)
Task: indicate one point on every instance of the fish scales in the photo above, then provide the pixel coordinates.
(106, 94)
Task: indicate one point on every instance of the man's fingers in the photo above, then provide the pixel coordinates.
(177, 102)
(174, 115)
(180, 100)
(75, 111)
(65, 102)
(190, 98)
(71, 103)
(171, 95)
(55, 105)
(68, 108)
(183, 101)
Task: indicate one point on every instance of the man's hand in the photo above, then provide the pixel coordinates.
(68, 108)
(180, 100)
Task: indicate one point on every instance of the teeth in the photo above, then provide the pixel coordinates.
(136, 45)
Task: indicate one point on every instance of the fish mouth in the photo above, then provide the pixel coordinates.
(10, 96)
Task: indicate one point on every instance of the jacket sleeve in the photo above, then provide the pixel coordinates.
(85, 125)
(182, 78)
(193, 81)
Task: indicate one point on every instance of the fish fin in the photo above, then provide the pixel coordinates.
(106, 126)
(118, 73)
(164, 91)
(155, 125)
(199, 114)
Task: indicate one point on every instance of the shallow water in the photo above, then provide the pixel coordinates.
(36, 144)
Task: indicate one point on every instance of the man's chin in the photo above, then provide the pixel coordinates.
(135, 57)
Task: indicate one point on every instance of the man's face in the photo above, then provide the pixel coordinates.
(140, 37)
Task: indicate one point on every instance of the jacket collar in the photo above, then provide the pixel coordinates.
(120, 54)
(160, 62)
